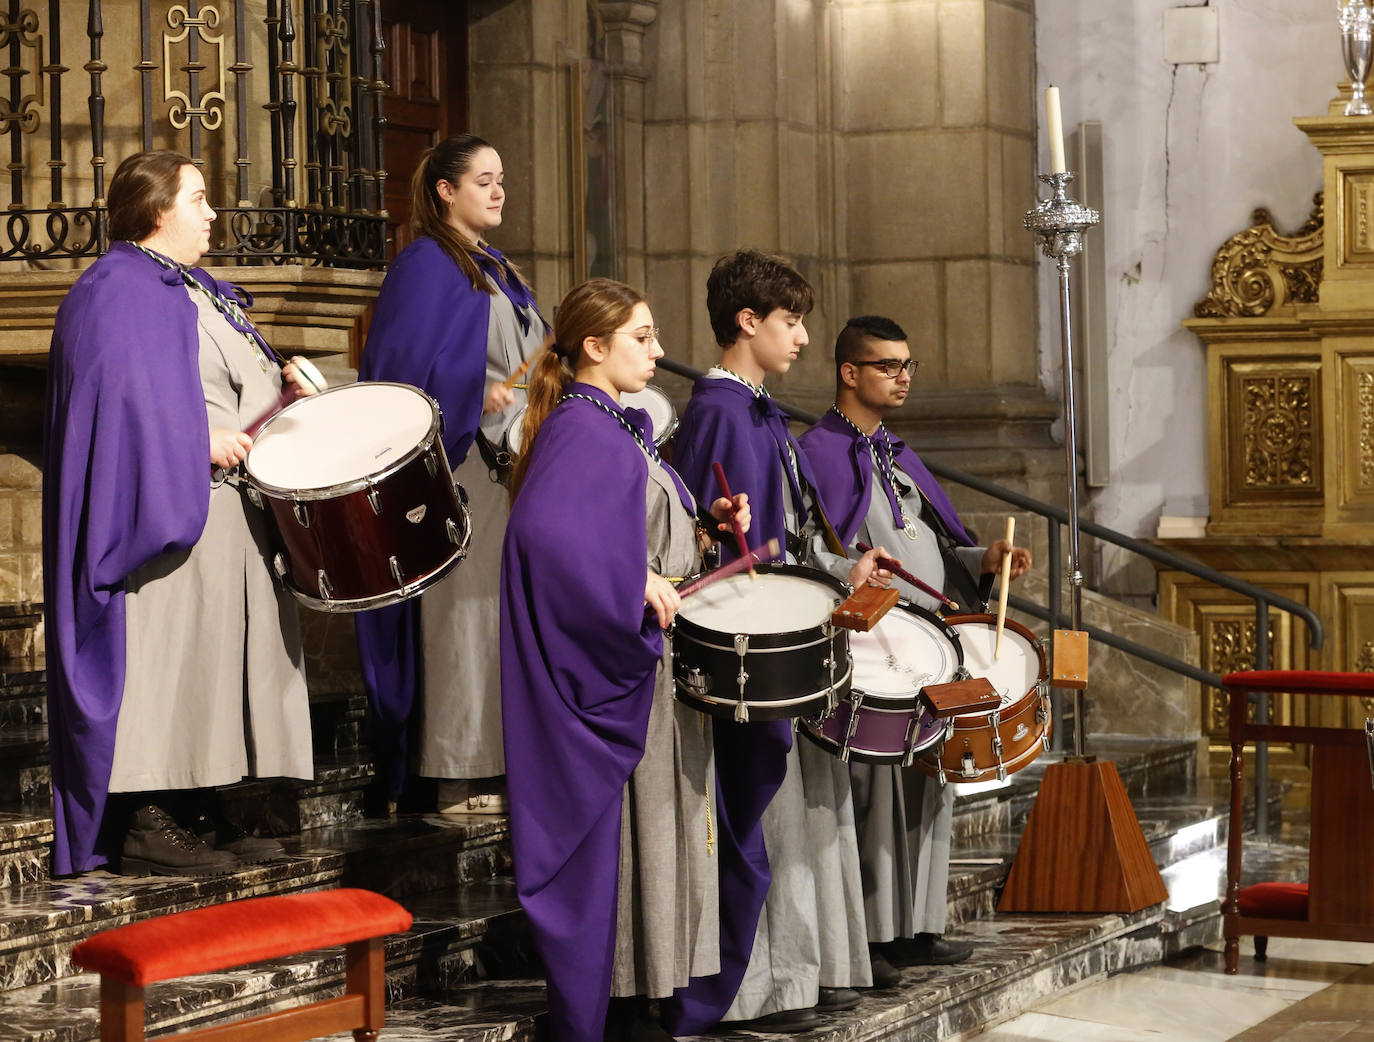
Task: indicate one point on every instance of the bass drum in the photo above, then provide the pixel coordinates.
(358, 487)
(1000, 742)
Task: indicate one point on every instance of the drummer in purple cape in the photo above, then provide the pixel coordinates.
(610, 777)
(876, 490)
(174, 659)
(455, 319)
(789, 854)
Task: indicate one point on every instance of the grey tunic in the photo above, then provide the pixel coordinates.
(460, 713)
(905, 818)
(812, 931)
(214, 684)
(668, 926)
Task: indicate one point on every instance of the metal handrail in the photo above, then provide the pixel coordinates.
(1262, 598)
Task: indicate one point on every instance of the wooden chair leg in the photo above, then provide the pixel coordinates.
(1233, 955)
(1261, 949)
(121, 1011)
(366, 976)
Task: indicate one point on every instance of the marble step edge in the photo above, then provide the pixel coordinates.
(69, 1011)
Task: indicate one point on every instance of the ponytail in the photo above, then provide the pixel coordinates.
(547, 381)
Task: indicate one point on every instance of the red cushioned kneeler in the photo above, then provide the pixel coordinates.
(1274, 901)
(238, 932)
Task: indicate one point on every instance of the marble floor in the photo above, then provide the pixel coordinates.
(1191, 999)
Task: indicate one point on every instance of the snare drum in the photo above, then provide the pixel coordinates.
(881, 721)
(651, 400)
(982, 746)
(764, 648)
(359, 489)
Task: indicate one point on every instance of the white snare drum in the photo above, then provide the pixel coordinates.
(882, 722)
(763, 648)
(359, 489)
(981, 746)
(651, 400)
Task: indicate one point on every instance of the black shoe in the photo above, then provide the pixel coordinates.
(225, 835)
(927, 949)
(156, 845)
(785, 1022)
(836, 1000)
(885, 975)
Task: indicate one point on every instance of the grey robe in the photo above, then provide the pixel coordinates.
(460, 713)
(214, 686)
(667, 923)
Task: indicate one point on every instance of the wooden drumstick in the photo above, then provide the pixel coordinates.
(510, 381)
(1002, 592)
(901, 573)
(767, 552)
(739, 532)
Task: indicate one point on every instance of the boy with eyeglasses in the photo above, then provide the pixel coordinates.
(876, 490)
(788, 842)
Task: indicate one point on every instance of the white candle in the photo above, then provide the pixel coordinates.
(1054, 124)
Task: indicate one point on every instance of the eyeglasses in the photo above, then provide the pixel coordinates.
(893, 367)
(646, 338)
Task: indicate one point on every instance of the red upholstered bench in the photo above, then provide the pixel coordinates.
(128, 958)
(1272, 901)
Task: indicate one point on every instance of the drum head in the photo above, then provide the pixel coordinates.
(341, 435)
(657, 405)
(1014, 674)
(903, 653)
(770, 603)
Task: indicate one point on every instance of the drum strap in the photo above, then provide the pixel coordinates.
(971, 591)
(498, 461)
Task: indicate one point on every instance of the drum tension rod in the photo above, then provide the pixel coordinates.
(742, 649)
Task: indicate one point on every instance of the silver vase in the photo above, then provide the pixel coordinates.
(1357, 46)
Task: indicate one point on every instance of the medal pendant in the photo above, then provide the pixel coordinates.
(909, 527)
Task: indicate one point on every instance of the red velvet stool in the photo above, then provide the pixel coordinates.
(128, 958)
(1272, 901)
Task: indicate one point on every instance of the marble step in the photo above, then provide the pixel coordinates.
(442, 951)
(21, 631)
(23, 683)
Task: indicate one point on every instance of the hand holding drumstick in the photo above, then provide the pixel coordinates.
(1012, 561)
(501, 395)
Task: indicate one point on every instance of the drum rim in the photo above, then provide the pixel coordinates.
(700, 634)
(344, 488)
(1019, 705)
(660, 436)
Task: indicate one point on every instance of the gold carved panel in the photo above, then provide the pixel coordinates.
(1357, 239)
(1356, 435)
(1273, 420)
(1352, 619)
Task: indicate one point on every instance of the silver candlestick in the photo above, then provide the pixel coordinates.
(1356, 20)
(1059, 223)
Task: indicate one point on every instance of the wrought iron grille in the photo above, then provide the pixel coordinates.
(320, 186)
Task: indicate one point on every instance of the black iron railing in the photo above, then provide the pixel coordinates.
(326, 200)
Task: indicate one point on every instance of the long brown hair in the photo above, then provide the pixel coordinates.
(144, 186)
(448, 161)
(592, 309)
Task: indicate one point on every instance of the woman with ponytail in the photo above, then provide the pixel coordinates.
(456, 319)
(611, 779)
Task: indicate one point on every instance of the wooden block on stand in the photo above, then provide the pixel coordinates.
(1070, 659)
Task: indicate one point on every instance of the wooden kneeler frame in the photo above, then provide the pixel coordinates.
(1083, 849)
(204, 940)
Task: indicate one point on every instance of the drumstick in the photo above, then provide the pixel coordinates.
(767, 552)
(510, 381)
(901, 573)
(1002, 593)
(739, 532)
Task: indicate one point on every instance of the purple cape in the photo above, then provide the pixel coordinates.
(725, 422)
(579, 656)
(126, 478)
(843, 467)
(430, 330)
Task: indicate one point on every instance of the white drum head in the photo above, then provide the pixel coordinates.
(768, 604)
(1014, 674)
(902, 654)
(657, 405)
(342, 435)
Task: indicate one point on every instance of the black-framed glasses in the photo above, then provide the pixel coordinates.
(893, 367)
(645, 337)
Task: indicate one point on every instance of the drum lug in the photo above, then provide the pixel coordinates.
(255, 497)
(302, 512)
(1042, 688)
(461, 493)
(1045, 742)
(374, 500)
(969, 771)
(940, 768)
(279, 565)
(696, 681)
(451, 527)
(1001, 772)
(910, 756)
(396, 570)
(856, 701)
(326, 587)
(742, 649)
(432, 463)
